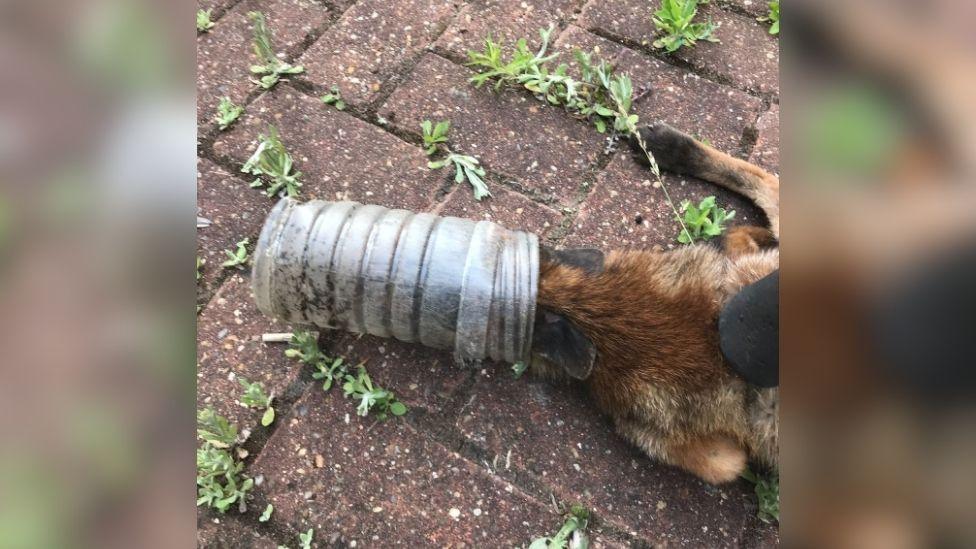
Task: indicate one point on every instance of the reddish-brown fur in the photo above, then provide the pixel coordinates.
(653, 319)
(644, 333)
(746, 239)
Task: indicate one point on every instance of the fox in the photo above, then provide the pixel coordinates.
(641, 328)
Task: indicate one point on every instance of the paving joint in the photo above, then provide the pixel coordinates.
(532, 486)
(205, 295)
(212, 130)
(219, 12)
(679, 63)
(736, 9)
(416, 139)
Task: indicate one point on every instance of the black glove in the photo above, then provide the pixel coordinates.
(748, 329)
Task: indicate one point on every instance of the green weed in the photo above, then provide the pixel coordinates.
(238, 256)
(200, 263)
(255, 397)
(220, 482)
(518, 369)
(266, 515)
(218, 485)
(704, 221)
(371, 397)
(359, 386)
(272, 160)
(434, 135)
(674, 21)
(271, 68)
(227, 112)
(305, 347)
(772, 17)
(306, 539)
(767, 491)
(601, 96)
(204, 23)
(334, 98)
(465, 167)
(215, 430)
(330, 371)
(570, 535)
(515, 69)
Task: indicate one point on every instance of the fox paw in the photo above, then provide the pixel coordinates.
(672, 149)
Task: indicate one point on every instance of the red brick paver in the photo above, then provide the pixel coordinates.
(636, 214)
(423, 378)
(225, 54)
(506, 21)
(215, 5)
(747, 55)
(757, 8)
(381, 484)
(229, 347)
(229, 532)
(235, 212)
(341, 157)
(536, 146)
(766, 151)
(372, 42)
(505, 207)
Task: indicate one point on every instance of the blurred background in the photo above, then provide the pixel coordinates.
(878, 295)
(97, 205)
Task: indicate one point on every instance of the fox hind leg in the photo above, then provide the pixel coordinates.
(715, 458)
(678, 152)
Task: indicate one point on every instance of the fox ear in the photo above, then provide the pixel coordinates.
(562, 344)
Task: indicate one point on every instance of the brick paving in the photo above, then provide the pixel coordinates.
(480, 459)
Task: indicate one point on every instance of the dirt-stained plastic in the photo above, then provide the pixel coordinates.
(444, 282)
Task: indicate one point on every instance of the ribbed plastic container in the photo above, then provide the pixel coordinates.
(444, 282)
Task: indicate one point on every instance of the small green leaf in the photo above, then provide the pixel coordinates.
(268, 417)
(204, 23)
(442, 128)
(705, 220)
(227, 112)
(272, 160)
(518, 369)
(267, 513)
(237, 257)
(674, 20)
(398, 408)
(306, 539)
(272, 66)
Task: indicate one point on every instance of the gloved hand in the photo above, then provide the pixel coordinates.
(748, 330)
